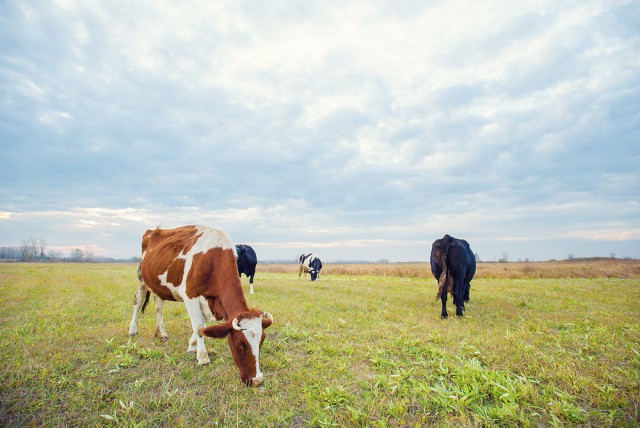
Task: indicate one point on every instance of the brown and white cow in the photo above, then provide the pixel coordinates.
(197, 265)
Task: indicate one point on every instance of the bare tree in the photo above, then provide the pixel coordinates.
(89, 253)
(76, 255)
(28, 249)
(54, 255)
(41, 247)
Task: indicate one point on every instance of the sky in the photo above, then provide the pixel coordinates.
(358, 130)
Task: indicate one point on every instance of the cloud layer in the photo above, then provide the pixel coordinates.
(356, 130)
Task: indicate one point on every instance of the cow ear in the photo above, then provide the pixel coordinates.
(217, 331)
(267, 320)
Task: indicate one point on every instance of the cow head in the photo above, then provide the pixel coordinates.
(245, 334)
(240, 250)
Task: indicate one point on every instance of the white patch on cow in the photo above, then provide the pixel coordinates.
(206, 311)
(212, 238)
(175, 290)
(307, 262)
(252, 330)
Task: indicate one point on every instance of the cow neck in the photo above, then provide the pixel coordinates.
(233, 301)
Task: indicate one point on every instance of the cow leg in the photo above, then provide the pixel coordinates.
(300, 271)
(208, 317)
(138, 301)
(251, 283)
(159, 304)
(467, 289)
(458, 297)
(196, 343)
(444, 314)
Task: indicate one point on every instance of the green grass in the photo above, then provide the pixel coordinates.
(345, 351)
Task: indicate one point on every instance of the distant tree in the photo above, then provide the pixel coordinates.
(28, 250)
(54, 255)
(41, 247)
(613, 255)
(89, 253)
(11, 253)
(571, 256)
(76, 255)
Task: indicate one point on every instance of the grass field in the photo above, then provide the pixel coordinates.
(362, 347)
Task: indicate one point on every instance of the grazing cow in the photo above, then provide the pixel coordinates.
(247, 261)
(197, 265)
(310, 263)
(453, 265)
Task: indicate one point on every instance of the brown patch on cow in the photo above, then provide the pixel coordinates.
(216, 308)
(173, 241)
(242, 355)
(175, 273)
(216, 266)
(199, 276)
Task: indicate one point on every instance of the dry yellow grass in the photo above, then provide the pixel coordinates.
(581, 268)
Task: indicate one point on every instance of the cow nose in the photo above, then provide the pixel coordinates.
(257, 381)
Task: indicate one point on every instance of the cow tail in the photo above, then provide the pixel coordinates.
(146, 301)
(444, 276)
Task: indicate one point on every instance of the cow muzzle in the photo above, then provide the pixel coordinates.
(257, 381)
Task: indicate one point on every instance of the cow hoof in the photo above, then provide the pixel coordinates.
(444, 317)
(203, 359)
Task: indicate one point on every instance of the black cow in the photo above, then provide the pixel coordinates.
(310, 263)
(453, 265)
(247, 261)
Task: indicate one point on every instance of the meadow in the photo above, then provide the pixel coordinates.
(541, 344)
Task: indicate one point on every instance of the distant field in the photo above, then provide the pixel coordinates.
(580, 268)
(542, 344)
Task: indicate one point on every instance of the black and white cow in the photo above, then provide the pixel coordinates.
(453, 264)
(247, 261)
(310, 263)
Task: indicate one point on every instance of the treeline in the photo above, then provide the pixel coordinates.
(34, 250)
(31, 249)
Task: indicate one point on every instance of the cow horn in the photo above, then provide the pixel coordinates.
(235, 325)
(268, 316)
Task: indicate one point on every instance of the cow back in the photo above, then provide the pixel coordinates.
(190, 261)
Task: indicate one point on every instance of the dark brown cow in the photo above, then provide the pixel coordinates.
(197, 265)
(453, 264)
